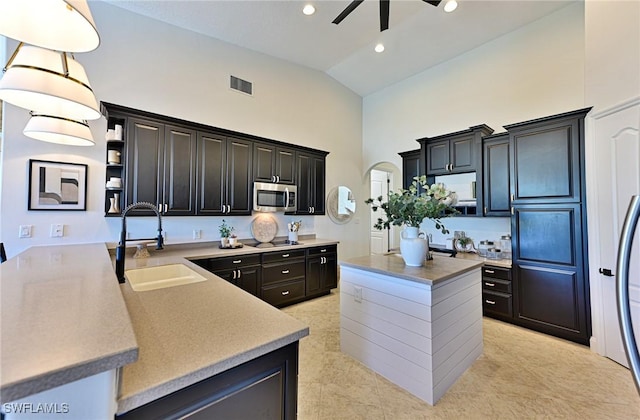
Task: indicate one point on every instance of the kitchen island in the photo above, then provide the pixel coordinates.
(420, 327)
(73, 338)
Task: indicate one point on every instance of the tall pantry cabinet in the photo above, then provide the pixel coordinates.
(548, 225)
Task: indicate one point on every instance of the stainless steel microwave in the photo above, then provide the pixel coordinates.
(274, 197)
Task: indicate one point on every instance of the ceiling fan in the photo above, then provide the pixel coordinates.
(384, 11)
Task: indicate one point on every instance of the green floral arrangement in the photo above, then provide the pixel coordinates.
(225, 229)
(410, 207)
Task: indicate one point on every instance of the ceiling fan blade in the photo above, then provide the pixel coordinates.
(433, 2)
(384, 15)
(350, 8)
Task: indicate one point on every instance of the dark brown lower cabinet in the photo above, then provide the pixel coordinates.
(497, 298)
(263, 388)
(322, 270)
(552, 294)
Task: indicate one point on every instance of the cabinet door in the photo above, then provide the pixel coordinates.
(496, 177)
(264, 162)
(248, 279)
(318, 185)
(438, 157)
(211, 173)
(285, 165)
(145, 140)
(330, 272)
(545, 163)
(314, 276)
(410, 167)
(179, 194)
(304, 183)
(550, 285)
(461, 154)
(238, 176)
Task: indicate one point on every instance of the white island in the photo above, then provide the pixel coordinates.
(419, 327)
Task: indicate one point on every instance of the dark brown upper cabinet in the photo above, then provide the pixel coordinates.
(546, 160)
(455, 152)
(161, 166)
(188, 168)
(273, 164)
(411, 166)
(495, 154)
(224, 175)
(310, 169)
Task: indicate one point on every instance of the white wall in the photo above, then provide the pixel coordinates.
(533, 72)
(152, 66)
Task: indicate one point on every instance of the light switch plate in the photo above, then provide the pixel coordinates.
(57, 230)
(25, 231)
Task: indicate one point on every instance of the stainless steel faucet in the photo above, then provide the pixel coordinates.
(122, 245)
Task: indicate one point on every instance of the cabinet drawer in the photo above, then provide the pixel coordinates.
(276, 273)
(233, 262)
(282, 256)
(496, 302)
(496, 285)
(496, 272)
(321, 250)
(283, 293)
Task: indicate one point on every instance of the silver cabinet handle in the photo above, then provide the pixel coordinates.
(490, 302)
(486, 283)
(285, 255)
(277, 178)
(228, 208)
(323, 250)
(234, 274)
(489, 271)
(273, 178)
(285, 271)
(622, 287)
(285, 293)
(239, 273)
(237, 261)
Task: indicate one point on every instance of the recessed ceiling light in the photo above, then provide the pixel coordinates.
(450, 6)
(379, 48)
(309, 9)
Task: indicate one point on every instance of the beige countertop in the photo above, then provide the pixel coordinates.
(63, 319)
(434, 271)
(191, 332)
(486, 261)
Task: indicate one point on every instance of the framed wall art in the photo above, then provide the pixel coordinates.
(57, 185)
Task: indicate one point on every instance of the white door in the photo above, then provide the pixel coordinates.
(616, 136)
(379, 187)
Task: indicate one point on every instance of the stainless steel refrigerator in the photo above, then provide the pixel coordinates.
(622, 287)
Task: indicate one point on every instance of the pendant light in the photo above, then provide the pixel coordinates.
(59, 130)
(48, 82)
(62, 25)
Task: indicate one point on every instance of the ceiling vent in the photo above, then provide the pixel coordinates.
(241, 85)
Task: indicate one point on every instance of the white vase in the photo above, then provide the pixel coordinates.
(413, 248)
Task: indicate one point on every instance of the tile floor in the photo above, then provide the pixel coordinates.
(521, 375)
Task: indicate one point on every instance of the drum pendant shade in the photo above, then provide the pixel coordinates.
(59, 130)
(62, 25)
(48, 82)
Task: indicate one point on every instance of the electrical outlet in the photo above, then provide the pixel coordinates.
(197, 233)
(57, 230)
(357, 294)
(25, 231)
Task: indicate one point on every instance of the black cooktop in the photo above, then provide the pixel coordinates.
(277, 244)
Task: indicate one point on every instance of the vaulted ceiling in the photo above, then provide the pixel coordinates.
(419, 36)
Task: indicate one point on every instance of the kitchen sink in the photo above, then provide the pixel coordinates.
(160, 277)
